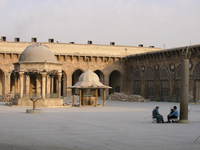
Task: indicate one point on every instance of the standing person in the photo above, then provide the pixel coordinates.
(157, 115)
(173, 114)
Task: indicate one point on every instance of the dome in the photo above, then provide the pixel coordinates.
(37, 53)
(89, 79)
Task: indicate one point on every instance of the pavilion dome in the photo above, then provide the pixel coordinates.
(89, 79)
(37, 53)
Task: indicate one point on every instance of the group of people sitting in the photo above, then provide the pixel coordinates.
(173, 115)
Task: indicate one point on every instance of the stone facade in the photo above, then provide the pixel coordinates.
(150, 72)
(105, 60)
(157, 75)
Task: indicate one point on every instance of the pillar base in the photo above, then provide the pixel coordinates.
(183, 121)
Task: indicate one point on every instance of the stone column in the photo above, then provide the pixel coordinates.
(104, 96)
(6, 83)
(59, 84)
(44, 74)
(21, 79)
(16, 85)
(38, 85)
(97, 97)
(27, 85)
(51, 80)
(64, 86)
(106, 81)
(48, 86)
(80, 97)
(184, 91)
(69, 83)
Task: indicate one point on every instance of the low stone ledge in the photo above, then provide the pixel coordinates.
(127, 98)
(32, 111)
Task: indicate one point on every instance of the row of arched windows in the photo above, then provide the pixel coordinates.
(114, 81)
(155, 79)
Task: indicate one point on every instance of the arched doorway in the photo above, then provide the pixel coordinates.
(115, 81)
(75, 76)
(101, 78)
(100, 75)
(64, 84)
(14, 84)
(2, 79)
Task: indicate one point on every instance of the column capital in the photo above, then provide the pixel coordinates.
(43, 74)
(59, 74)
(21, 73)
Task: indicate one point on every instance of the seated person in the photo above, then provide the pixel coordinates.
(157, 115)
(173, 114)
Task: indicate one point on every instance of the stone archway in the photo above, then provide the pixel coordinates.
(2, 85)
(101, 78)
(75, 76)
(100, 75)
(115, 81)
(14, 84)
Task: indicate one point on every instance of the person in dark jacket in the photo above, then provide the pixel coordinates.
(173, 114)
(157, 115)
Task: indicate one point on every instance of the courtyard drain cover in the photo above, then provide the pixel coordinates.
(197, 140)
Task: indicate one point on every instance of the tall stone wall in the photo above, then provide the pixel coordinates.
(157, 76)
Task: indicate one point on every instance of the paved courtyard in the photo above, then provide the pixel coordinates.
(117, 126)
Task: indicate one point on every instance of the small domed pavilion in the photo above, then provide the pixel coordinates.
(39, 74)
(88, 86)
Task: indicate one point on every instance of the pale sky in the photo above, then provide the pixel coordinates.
(162, 23)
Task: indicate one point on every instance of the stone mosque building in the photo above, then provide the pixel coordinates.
(49, 68)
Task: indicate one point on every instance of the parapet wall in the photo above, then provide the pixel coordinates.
(78, 49)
